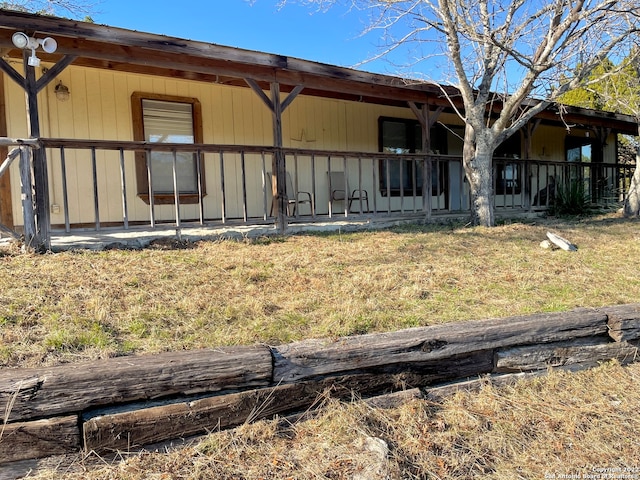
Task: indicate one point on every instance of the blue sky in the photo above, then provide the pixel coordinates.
(330, 37)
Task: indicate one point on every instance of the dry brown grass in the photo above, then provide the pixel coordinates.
(70, 306)
(562, 424)
(78, 305)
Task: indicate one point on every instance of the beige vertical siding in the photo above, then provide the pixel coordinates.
(99, 109)
(17, 128)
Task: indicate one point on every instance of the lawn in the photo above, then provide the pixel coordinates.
(77, 305)
(66, 307)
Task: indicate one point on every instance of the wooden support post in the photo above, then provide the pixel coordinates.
(427, 121)
(40, 176)
(278, 167)
(278, 164)
(528, 131)
(42, 235)
(27, 196)
(427, 170)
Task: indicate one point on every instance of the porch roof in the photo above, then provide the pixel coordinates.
(112, 48)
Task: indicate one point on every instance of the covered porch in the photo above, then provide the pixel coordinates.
(104, 205)
(159, 133)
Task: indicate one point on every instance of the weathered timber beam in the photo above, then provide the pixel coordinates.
(232, 62)
(91, 39)
(54, 71)
(11, 72)
(40, 438)
(292, 96)
(32, 142)
(13, 154)
(153, 50)
(57, 27)
(144, 426)
(591, 118)
(160, 62)
(583, 353)
(312, 358)
(74, 388)
(395, 399)
(624, 321)
(263, 96)
(12, 233)
(442, 392)
(139, 427)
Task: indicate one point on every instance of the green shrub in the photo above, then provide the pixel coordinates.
(572, 199)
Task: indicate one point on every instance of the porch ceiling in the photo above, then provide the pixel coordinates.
(111, 48)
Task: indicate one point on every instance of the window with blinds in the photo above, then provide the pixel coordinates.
(170, 122)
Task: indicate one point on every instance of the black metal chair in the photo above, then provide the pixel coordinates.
(338, 192)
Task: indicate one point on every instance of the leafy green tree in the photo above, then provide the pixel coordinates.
(617, 91)
(519, 54)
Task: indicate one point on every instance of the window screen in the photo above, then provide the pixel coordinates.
(170, 122)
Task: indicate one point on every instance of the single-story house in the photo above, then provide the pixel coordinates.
(219, 132)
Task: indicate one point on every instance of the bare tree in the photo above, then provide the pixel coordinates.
(508, 61)
(75, 8)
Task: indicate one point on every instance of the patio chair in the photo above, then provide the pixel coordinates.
(293, 198)
(338, 192)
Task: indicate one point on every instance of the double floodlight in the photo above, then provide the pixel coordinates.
(22, 40)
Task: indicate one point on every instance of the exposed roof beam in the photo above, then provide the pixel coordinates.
(53, 72)
(111, 48)
(12, 72)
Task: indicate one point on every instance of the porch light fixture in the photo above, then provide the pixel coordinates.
(62, 91)
(22, 40)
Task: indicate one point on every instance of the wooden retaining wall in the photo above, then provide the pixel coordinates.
(127, 402)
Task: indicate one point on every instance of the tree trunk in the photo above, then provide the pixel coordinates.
(477, 156)
(632, 202)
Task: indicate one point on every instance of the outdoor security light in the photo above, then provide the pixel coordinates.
(22, 40)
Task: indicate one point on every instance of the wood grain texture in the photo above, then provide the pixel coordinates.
(40, 438)
(395, 399)
(139, 427)
(313, 358)
(143, 426)
(77, 387)
(442, 392)
(584, 352)
(624, 321)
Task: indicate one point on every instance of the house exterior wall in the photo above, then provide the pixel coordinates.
(99, 108)
(548, 145)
